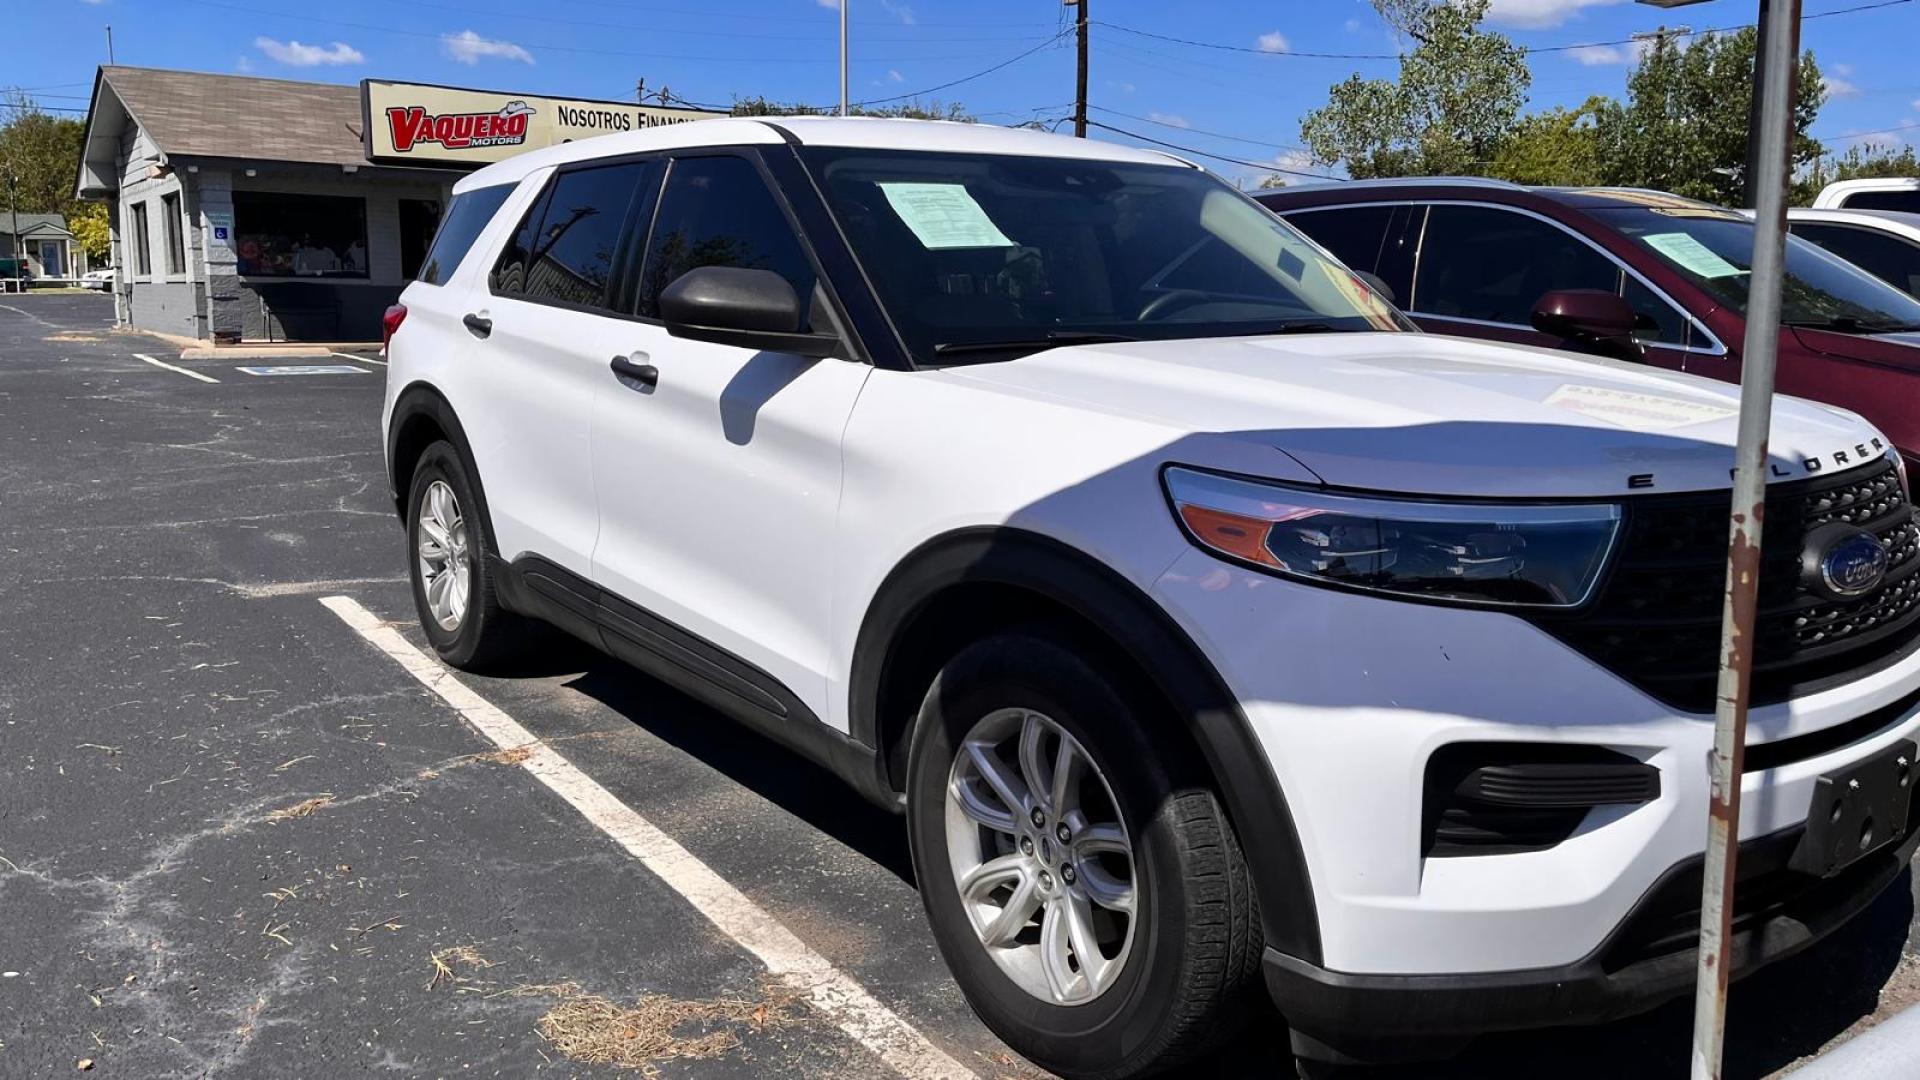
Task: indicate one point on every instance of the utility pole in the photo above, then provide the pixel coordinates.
(1769, 142)
(843, 56)
(1760, 76)
(109, 44)
(1080, 79)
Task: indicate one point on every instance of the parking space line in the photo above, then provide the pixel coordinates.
(848, 1004)
(170, 367)
(361, 359)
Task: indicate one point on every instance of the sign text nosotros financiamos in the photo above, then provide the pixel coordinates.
(457, 131)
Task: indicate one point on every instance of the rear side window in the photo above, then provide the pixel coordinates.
(1889, 258)
(1494, 265)
(572, 258)
(1884, 200)
(717, 211)
(465, 218)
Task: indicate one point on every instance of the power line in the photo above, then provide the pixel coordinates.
(1525, 49)
(1198, 131)
(1267, 165)
(967, 78)
(625, 53)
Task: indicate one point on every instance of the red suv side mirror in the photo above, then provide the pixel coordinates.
(1584, 314)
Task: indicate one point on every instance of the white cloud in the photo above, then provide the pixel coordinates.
(895, 76)
(243, 65)
(1169, 119)
(296, 54)
(899, 11)
(1540, 14)
(1838, 87)
(1274, 42)
(1353, 26)
(1596, 55)
(470, 48)
(93, 1)
(1295, 162)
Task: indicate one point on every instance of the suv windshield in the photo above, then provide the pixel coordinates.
(980, 257)
(1714, 249)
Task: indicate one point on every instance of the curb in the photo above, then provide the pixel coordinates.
(1890, 1050)
(243, 353)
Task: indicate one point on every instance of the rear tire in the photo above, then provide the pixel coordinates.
(447, 550)
(1176, 980)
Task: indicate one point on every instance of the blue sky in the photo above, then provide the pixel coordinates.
(1241, 104)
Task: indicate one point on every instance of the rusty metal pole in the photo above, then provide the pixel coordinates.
(1773, 134)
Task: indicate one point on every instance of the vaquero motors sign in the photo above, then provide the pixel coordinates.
(417, 123)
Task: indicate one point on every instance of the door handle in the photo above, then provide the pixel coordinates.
(635, 374)
(479, 325)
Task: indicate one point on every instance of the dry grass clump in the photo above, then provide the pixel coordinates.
(300, 809)
(596, 1030)
(443, 961)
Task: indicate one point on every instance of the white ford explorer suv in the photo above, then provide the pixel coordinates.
(1211, 627)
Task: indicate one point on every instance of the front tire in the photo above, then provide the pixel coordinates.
(453, 586)
(1083, 883)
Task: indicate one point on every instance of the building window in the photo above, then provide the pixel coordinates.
(418, 220)
(176, 245)
(283, 235)
(142, 244)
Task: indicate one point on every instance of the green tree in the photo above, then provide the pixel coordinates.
(759, 105)
(41, 154)
(1559, 147)
(1459, 92)
(87, 221)
(1863, 163)
(1683, 127)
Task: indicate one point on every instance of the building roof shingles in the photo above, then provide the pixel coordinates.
(193, 114)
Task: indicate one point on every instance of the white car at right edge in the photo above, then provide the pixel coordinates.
(1214, 630)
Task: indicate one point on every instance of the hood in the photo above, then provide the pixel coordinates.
(1433, 415)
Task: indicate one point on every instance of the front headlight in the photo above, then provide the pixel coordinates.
(1509, 554)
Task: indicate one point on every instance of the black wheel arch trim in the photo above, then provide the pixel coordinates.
(1056, 572)
(421, 399)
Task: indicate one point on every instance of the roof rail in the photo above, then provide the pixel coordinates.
(1458, 181)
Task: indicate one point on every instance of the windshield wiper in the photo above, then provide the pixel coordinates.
(1052, 340)
(1847, 324)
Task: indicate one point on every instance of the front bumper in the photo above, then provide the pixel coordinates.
(1349, 696)
(1649, 959)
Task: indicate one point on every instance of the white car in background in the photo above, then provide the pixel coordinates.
(101, 279)
(1884, 243)
(1900, 193)
(1210, 625)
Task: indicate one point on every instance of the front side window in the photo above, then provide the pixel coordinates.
(986, 257)
(465, 219)
(142, 241)
(1493, 265)
(717, 211)
(1355, 234)
(1907, 201)
(1885, 256)
(1713, 248)
(170, 222)
(310, 236)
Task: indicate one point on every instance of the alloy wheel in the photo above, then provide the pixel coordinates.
(1040, 856)
(445, 575)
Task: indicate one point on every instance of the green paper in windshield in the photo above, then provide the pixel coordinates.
(943, 216)
(1692, 255)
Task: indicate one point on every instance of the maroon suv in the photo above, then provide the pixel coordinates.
(1637, 274)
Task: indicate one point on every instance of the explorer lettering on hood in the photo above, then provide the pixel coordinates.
(458, 131)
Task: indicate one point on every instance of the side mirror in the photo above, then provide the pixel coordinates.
(731, 305)
(1585, 315)
(1379, 286)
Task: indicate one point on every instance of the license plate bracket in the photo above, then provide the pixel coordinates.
(1857, 810)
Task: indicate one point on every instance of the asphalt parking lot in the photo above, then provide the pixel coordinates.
(241, 836)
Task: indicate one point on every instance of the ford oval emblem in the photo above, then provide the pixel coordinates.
(1849, 562)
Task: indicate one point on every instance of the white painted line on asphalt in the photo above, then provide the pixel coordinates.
(170, 367)
(836, 995)
(303, 369)
(362, 359)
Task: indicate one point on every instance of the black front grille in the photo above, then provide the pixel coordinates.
(1656, 619)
